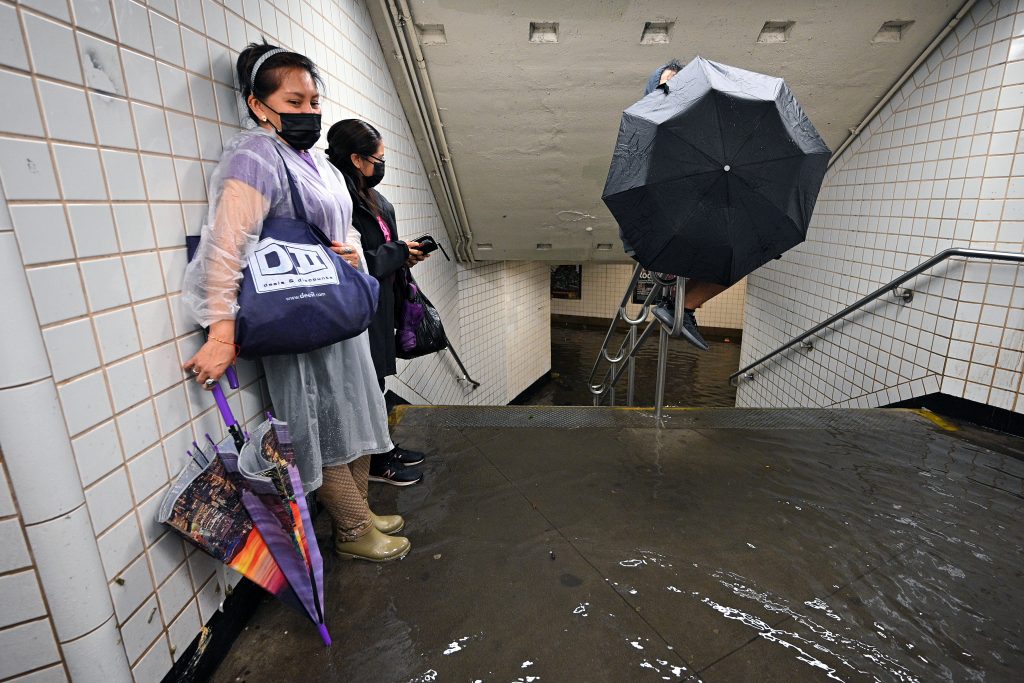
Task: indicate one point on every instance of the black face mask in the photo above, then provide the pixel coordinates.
(301, 131)
(378, 175)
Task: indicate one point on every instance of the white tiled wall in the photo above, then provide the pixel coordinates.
(119, 111)
(604, 284)
(942, 165)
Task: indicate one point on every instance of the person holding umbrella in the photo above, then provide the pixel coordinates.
(715, 172)
(328, 396)
(357, 150)
(698, 292)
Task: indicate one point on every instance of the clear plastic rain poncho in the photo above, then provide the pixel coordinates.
(329, 397)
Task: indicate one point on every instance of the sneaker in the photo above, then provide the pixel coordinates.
(392, 471)
(691, 332)
(407, 457)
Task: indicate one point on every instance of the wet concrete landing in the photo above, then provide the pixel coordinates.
(733, 546)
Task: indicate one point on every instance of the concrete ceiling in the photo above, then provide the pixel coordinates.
(531, 126)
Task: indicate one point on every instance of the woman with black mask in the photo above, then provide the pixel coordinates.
(357, 149)
(328, 396)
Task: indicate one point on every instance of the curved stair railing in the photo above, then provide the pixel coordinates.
(624, 359)
(906, 295)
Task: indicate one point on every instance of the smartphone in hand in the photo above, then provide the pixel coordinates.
(427, 244)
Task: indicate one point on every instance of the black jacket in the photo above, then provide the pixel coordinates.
(383, 260)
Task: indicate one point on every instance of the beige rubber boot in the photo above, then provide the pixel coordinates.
(375, 547)
(387, 524)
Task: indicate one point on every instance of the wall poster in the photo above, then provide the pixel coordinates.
(567, 282)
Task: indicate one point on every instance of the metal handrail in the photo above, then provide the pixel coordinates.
(465, 373)
(634, 341)
(890, 287)
(599, 389)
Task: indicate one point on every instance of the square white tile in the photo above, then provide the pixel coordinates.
(92, 226)
(133, 25)
(109, 499)
(94, 16)
(134, 227)
(197, 58)
(113, 121)
(191, 180)
(160, 180)
(141, 76)
(175, 592)
(105, 283)
(152, 128)
(154, 319)
(174, 88)
(81, 176)
(25, 119)
(184, 629)
(144, 278)
(67, 112)
(120, 546)
(15, 554)
(27, 646)
(26, 170)
(138, 429)
(52, 46)
(85, 402)
(166, 39)
(148, 472)
(12, 47)
(174, 262)
(172, 411)
(42, 232)
(57, 292)
(21, 598)
(183, 135)
(72, 349)
(117, 334)
(164, 367)
(124, 176)
(141, 629)
(97, 452)
(154, 664)
(130, 588)
(129, 383)
(166, 555)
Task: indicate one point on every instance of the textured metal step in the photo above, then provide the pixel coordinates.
(582, 417)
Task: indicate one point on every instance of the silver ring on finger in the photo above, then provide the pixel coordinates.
(210, 382)
(195, 371)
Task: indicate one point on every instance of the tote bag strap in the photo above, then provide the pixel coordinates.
(297, 205)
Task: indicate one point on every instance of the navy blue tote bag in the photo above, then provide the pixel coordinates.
(297, 295)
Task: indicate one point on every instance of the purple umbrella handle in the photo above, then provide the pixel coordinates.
(232, 377)
(222, 404)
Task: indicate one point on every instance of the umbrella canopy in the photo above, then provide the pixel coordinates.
(715, 173)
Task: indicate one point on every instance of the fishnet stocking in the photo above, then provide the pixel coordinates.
(343, 493)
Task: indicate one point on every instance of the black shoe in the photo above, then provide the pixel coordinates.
(691, 332)
(407, 457)
(392, 471)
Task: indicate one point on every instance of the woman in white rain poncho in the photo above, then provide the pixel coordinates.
(329, 397)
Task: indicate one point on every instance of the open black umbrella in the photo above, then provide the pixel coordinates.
(715, 173)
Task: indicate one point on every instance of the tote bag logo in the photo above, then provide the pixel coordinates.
(277, 265)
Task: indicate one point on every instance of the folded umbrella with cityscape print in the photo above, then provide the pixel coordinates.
(241, 501)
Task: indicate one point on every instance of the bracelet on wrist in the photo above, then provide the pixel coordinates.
(237, 348)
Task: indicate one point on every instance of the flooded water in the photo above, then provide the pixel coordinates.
(697, 379)
(730, 546)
